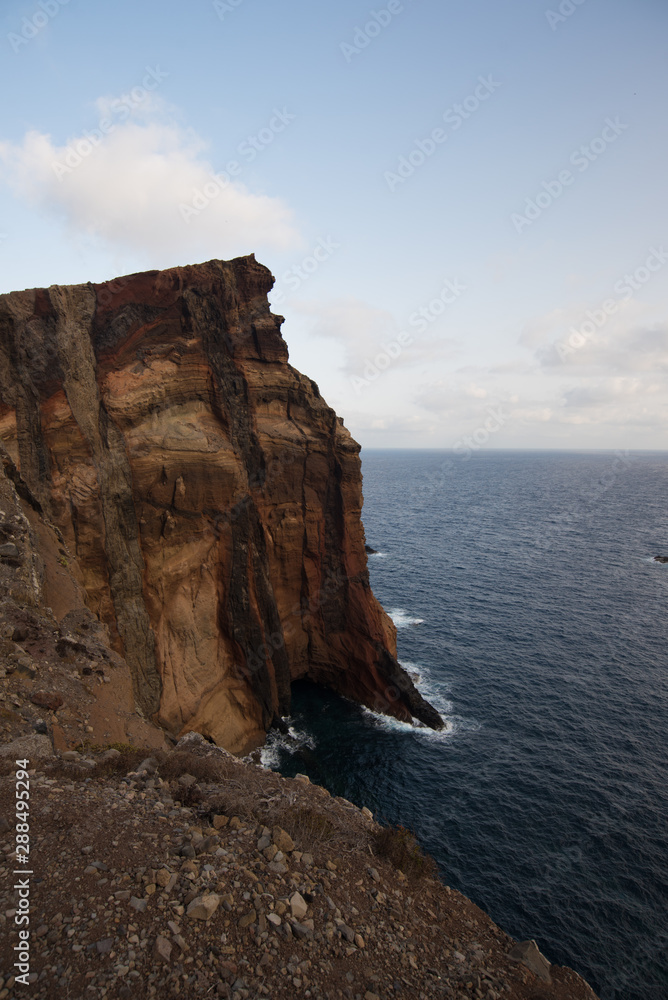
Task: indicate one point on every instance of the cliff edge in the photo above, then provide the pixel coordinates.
(207, 501)
(191, 873)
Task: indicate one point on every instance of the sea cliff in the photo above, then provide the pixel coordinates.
(192, 493)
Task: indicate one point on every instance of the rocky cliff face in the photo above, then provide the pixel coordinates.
(208, 498)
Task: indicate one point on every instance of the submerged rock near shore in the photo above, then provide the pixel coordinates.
(192, 498)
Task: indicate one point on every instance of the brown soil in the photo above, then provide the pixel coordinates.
(101, 833)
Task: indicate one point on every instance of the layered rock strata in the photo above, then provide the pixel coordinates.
(207, 497)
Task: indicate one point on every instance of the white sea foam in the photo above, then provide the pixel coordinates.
(278, 744)
(403, 618)
(436, 693)
(452, 725)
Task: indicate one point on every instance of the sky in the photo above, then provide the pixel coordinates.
(463, 201)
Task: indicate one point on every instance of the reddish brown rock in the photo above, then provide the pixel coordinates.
(211, 497)
(47, 699)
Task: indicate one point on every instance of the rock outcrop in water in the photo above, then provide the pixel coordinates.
(207, 498)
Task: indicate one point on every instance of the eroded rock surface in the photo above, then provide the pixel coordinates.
(61, 683)
(208, 496)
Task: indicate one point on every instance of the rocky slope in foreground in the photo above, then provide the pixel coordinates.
(194, 492)
(193, 874)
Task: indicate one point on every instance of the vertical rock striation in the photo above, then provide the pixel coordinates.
(209, 497)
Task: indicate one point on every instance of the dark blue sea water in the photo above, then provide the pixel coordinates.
(526, 598)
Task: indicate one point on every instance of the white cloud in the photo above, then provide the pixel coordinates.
(531, 414)
(617, 349)
(385, 431)
(128, 190)
(365, 332)
(539, 328)
(446, 397)
(603, 392)
(600, 404)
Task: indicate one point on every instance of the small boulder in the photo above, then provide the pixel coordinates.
(148, 766)
(198, 744)
(162, 949)
(187, 780)
(65, 646)
(277, 868)
(26, 667)
(35, 747)
(302, 931)
(283, 840)
(528, 954)
(47, 699)
(345, 931)
(203, 907)
(206, 845)
(298, 906)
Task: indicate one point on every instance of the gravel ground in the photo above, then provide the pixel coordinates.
(192, 873)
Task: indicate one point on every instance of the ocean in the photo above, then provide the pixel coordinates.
(528, 603)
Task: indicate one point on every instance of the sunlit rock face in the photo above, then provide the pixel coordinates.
(209, 498)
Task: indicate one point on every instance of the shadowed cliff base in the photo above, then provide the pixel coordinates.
(207, 500)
